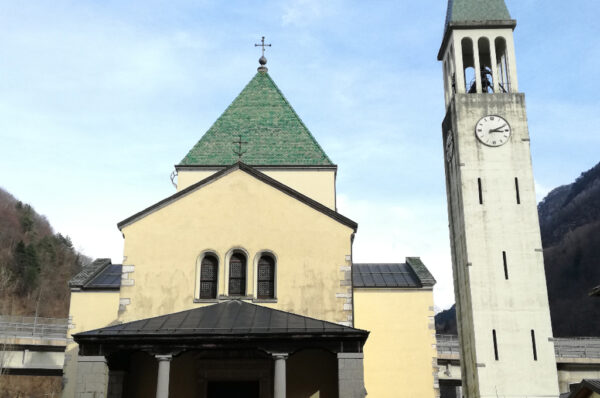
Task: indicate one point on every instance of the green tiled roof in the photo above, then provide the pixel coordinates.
(476, 10)
(275, 134)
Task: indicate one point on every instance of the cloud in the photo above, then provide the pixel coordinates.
(541, 191)
(305, 12)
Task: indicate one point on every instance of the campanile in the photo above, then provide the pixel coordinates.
(500, 286)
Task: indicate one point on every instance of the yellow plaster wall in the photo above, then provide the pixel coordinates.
(236, 211)
(316, 184)
(87, 311)
(400, 349)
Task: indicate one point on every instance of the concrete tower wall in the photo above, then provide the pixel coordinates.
(500, 286)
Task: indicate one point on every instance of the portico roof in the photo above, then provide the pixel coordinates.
(229, 318)
(230, 325)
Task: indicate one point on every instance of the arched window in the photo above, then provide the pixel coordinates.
(485, 64)
(266, 277)
(502, 65)
(209, 269)
(468, 60)
(237, 274)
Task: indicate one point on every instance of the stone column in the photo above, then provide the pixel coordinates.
(351, 379)
(279, 384)
(162, 382)
(92, 377)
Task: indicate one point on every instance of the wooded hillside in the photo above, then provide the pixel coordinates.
(35, 262)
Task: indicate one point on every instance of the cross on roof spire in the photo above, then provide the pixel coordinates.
(262, 60)
(263, 45)
(238, 151)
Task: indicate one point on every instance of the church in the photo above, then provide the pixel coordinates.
(242, 283)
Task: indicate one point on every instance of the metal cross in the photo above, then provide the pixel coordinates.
(238, 151)
(263, 45)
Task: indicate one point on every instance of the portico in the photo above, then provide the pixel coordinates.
(226, 348)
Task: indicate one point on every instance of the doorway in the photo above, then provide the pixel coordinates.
(233, 389)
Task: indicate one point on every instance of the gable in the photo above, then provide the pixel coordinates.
(228, 192)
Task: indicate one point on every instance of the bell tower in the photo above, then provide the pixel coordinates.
(498, 266)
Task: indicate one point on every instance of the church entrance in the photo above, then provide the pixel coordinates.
(233, 389)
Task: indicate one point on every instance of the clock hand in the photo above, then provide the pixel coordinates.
(497, 129)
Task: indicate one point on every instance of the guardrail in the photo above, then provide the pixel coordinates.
(33, 327)
(577, 347)
(564, 347)
(447, 344)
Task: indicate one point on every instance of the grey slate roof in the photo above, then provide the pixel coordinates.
(421, 270)
(412, 274)
(227, 318)
(108, 278)
(594, 383)
(89, 271)
(586, 385)
(99, 275)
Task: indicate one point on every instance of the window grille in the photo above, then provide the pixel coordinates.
(266, 277)
(237, 275)
(208, 277)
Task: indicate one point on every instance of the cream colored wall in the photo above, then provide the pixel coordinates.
(88, 310)
(235, 211)
(185, 178)
(573, 373)
(400, 351)
(316, 184)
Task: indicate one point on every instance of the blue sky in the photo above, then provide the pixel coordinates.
(98, 101)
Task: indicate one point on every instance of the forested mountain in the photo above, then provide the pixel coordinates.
(570, 226)
(35, 262)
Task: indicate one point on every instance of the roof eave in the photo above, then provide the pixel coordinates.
(487, 24)
(423, 274)
(81, 285)
(181, 337)
(186, 167)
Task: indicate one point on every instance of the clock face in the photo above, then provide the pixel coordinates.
(492, 130)
(449, 146)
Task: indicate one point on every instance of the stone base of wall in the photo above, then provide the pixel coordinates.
(92, 377)
(351, 378)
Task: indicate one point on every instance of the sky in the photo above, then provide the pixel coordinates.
(100, 99)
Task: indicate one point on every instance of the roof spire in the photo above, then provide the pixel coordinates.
(262, 60)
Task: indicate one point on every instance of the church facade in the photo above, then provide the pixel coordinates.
(242, 283)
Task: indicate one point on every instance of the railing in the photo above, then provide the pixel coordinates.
(577, 347)
(571, 347)
(447, 344)
(33, 327)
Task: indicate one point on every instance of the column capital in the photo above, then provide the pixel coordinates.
(164, 357)
(280, 355)
(350, 355)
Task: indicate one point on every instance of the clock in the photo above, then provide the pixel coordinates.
(449, 146)
(492, 130)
